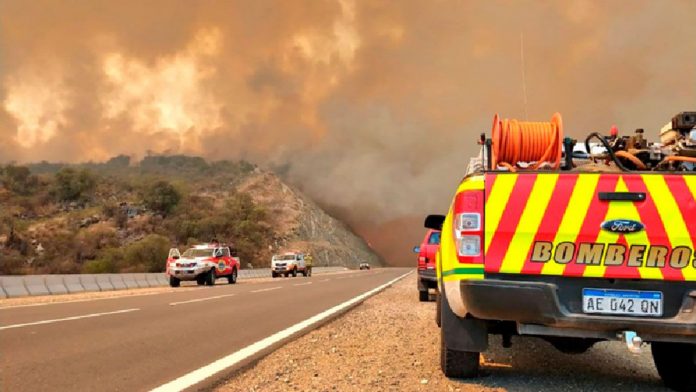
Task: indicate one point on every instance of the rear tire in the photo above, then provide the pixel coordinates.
(232, 278)
(423, 296)
(174, 282)
(676, 364)
(210, 278)
(457, 364)
(294, 272)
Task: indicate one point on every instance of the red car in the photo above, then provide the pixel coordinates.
(427, 278)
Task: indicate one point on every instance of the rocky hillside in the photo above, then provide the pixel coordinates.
(121, 216)
(298, 223)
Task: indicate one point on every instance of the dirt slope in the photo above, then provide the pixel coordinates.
(299, 224)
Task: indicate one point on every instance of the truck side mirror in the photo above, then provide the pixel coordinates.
(416, 249)
(434, 222)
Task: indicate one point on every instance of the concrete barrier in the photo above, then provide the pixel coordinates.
(129, 281)
(36, 284)
(104, 282)
(141, 280)
(73, 284)
(162, 279)
(55, 284)
(117, 281)
(89, 282)
(18, 286)
(14, 286)
(152, 279)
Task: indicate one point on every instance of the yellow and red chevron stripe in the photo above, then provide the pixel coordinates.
(562, 211)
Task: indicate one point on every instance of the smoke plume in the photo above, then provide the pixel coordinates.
(371, 107)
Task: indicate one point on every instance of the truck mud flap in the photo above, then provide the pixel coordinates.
(462, 334)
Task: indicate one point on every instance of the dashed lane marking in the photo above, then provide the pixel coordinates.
(200, 299)
(268, 289)
(67, 319)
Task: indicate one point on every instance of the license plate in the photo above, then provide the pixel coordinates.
(622, 302)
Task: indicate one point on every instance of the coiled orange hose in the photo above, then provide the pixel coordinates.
(516, 141)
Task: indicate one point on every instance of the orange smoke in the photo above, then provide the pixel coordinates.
(371, 107)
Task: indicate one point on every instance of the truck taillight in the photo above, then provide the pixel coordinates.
(468, 227)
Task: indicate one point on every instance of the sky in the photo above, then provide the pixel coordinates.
(373, 108)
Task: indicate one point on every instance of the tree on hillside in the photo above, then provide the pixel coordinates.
(73, 185)
(162, 197)
(18, 179)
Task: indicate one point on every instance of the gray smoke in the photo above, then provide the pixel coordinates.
(373, 108)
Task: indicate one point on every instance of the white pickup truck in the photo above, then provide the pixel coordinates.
(203, 263)
(290, 263)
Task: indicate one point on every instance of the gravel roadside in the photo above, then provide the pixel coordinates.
(391, 343)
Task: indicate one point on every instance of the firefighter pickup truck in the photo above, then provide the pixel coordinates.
(203, 263)
(538, 244)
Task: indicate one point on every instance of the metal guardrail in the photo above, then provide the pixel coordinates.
(25, 285)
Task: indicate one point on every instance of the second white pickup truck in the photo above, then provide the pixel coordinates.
(290, 263)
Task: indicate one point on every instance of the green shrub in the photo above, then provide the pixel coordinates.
(162, 197)
(148, 254)
(108, 260)
(19, 180)
(90, 241)
(99, 266)
(73, 185)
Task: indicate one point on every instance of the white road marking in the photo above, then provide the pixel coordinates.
(125, 294)
(200, 299)
(302, 284)
(325, 280)
(67, 319)
(221, 364)
(268, 289)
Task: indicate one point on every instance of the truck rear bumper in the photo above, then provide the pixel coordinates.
(427, 274)
(538, 310)
(427, 279)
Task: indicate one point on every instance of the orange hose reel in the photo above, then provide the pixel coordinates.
(516, 141)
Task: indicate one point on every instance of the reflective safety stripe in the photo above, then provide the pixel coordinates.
(495, 205)
(573, 217)
(556, 224)
(529, 224)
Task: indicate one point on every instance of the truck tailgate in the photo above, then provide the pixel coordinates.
(576, 224)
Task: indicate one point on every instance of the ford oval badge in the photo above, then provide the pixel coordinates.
(622, 226)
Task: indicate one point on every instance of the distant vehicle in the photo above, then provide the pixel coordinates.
(290, 263)
(364, 266)
(203, 263)
(427, 278)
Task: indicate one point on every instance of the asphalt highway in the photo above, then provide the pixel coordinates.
(138, 343)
